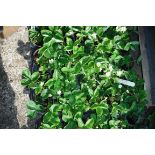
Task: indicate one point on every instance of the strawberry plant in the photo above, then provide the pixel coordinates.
(77, 81)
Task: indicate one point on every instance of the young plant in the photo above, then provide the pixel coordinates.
(77, 82)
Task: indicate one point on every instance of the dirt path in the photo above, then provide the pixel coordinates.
(14, 57)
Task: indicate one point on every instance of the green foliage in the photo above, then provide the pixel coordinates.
(35, 36)
(33, 109)
(77, 78)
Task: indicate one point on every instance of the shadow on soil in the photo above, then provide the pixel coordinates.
(8, 111)
(24, 49)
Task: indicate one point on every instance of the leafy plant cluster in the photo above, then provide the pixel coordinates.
(76, 84)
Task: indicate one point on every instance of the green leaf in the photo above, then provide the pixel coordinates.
(91, 64)
(51, 119)
(81, 50)
(65, 70)
(25, 82)
(47, 53)
(51, 28)
(46, 33)
(71, 125)
(38, 89)
(134, 45)
(78, 115)
(100, 31)
(35, 76)
(99, 111)
(57, 85)
(89, 124)
(55, 120)
(91, 92)
(115, 112)
(34, 106)
(107, 44)
(131, 45)
(77, 51)
(67, 94)
(47, 119)
(32, 114)
(46, 39)
(80, 123)
(139, 59)
(77, 42)
(59, 35)
(114, 123)
(66, 116)
(42, 49)
(64, 59)
(78, 118)
(117, 38)
(35, 36)
(110, 45)
(77, 68)
(127, 47)
(68, 48)
(56, 74)
(26, 73)
(69, 42)
(44, 93)
(84, 60)
(96, 91)
(45, 126)
(101, 105)
(55, 108)
(55, 40)
(49, 83)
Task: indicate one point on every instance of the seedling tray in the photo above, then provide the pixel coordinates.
(139, 69)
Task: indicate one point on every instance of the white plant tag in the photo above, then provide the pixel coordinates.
(125, 82)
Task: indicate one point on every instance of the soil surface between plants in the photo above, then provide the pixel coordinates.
(14, 57)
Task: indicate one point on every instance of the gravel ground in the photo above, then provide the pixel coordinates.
(14, 57)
